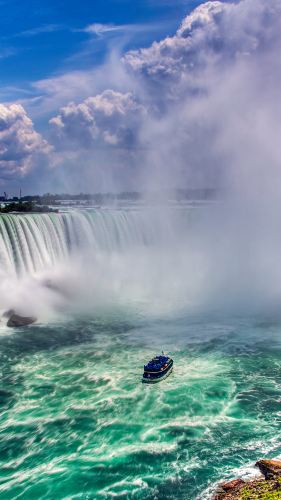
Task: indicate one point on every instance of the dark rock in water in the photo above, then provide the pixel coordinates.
(271, 469)
(16, 320)
(9, 313)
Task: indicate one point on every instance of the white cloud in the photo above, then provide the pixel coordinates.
(186, 103)
(57, 91)
(203, 15)
(20, 144)
(213, 36)
(100, 29)
(181, 53)
(108, 119)
(223, 58)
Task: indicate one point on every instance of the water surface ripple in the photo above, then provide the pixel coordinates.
(76, 422)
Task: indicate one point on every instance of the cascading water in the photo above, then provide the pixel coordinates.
(30, 243)
(177, 256)
(88, 257)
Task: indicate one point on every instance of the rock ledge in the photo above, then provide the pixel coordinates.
(268, 488)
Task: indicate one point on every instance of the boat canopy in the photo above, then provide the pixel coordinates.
(156, 363)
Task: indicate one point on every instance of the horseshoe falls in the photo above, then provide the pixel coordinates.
(110, 289)
(31, 242)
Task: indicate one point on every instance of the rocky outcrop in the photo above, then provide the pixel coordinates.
(269, 468)
(16, 320)
(267, 488)
(229, 488)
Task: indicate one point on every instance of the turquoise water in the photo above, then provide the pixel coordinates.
(76, 422)
(110, 289)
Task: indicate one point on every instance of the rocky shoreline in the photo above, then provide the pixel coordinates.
(266, 488)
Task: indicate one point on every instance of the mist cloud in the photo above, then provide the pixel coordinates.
(187, 108)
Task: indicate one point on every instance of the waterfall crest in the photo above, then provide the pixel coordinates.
(32, 242)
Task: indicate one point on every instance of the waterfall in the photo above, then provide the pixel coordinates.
(32, 242)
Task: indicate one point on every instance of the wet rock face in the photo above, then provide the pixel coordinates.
(271, 469)
(16, 320)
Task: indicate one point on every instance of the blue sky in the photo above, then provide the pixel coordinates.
(40, 39)
(118, 95)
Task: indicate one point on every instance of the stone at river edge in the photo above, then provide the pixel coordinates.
(16, 320)
(255, 489)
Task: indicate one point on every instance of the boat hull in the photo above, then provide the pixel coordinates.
(152, 380)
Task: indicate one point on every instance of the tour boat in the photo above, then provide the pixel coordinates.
(157, 369)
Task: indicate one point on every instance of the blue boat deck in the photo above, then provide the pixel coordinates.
(157, 369)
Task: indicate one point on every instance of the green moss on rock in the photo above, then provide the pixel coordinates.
(268, 488)
(262, 490)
